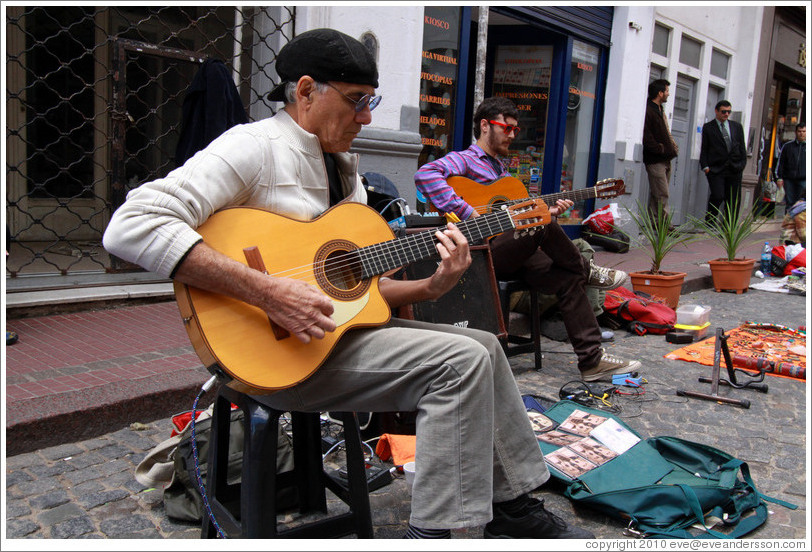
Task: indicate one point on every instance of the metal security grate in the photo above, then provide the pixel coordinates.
(94, 99)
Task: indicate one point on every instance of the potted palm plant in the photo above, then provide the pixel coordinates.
(730, 229)
(658, 237)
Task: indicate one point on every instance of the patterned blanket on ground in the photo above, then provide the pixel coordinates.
(778, 344)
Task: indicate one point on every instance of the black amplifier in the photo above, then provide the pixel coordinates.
(472, 303)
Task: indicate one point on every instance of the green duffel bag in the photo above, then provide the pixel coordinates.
(663, 486)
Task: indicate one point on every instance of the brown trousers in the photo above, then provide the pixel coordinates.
(550, 263)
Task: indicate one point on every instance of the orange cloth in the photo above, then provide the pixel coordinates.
(775, 343)
(398, 447)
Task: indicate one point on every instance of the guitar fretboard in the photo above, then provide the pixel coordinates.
(575, 195)
(382, 257)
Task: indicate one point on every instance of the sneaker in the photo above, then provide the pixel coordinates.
(11, 338)
(608, 366)
(605, 278)
(535, 523)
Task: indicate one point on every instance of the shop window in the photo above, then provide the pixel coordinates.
(522, 74)
(580, 114)
(438, 80)
(719, 63)
(659, 45)
(690, 51)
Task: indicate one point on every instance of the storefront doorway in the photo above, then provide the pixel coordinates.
(550, 61)
(555, 82)
(681, 129)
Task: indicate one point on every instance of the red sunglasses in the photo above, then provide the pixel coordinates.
(508, 129)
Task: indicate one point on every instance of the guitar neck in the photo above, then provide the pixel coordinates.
(382, 257)
(550, 199)
(575, 195)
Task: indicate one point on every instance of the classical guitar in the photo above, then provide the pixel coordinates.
(485, 197)
(342, 252)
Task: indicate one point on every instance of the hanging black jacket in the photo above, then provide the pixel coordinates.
(792, 161)
(212, 105)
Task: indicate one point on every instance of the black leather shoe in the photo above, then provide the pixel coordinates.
(534, 523)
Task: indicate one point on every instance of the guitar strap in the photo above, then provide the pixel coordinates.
(334, 179)
(498, 167)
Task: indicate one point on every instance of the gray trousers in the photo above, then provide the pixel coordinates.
(475, 444)
(659, 175)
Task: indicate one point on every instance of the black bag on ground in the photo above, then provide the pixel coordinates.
(614, 241)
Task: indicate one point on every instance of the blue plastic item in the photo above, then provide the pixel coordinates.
(766, 259)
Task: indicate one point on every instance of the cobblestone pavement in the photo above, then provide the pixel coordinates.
(86, 489)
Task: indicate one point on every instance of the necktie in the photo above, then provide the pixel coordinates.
(725, 135)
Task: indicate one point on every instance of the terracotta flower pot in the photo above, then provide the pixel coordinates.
(666, 285)
(732, 275)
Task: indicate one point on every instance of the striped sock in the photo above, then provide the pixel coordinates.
(413, 532)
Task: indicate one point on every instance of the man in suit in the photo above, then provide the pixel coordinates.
(722, 157)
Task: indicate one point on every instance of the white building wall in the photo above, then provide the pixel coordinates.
(732, 30)
(391, 144)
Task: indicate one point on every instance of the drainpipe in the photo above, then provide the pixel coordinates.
(481, 51)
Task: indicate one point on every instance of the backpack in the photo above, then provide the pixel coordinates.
(638, 311)
(662, 486)
(171, 465)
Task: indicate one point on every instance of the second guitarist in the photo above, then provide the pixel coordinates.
(546, 260)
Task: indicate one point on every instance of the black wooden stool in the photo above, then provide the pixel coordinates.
(517, 344)
(248, 509)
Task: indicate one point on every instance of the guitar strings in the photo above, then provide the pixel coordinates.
(488, 207)
(338, 264)
(346, 264)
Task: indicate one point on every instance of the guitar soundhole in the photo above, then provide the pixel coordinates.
(496, 203)
(338, 271)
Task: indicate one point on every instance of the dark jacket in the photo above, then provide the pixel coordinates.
(714, 153)
(212, 105)
(657, 145)
(792, 161)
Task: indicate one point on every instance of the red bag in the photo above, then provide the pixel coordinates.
(603, 220)
(781, 266)
(643, 314)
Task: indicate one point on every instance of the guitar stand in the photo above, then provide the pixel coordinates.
(715, 380)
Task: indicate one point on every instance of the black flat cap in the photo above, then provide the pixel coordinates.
(325, 55)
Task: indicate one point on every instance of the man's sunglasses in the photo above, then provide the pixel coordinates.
(724, 111)
(508, 129)
(366, 100)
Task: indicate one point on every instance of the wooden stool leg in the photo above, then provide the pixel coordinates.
(356, 476)
(535, 328)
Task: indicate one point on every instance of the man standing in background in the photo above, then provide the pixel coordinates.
(722, 157)
(659, 147)
(791, 168)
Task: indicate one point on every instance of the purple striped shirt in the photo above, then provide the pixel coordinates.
(473, 163)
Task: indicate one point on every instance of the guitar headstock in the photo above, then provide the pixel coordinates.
(609, 187)
(529, 214)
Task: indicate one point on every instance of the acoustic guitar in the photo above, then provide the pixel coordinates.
(342, 252)
(484, 198)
